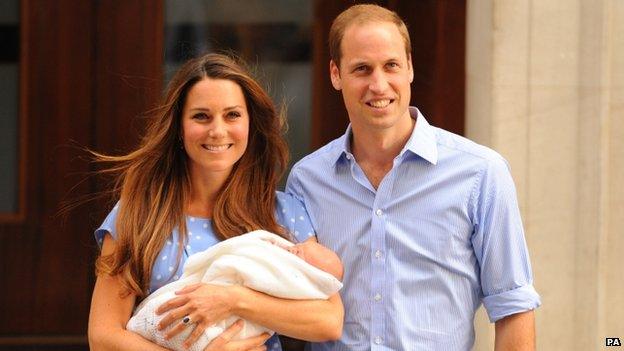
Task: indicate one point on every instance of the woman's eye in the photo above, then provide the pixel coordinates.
(234, 115)
(200, 116)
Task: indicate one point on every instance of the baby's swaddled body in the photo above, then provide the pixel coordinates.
(252, 260)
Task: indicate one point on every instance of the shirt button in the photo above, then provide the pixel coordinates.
(348, 156)
(377, 254)
(378, 340)
(379, 212)
(377, 297)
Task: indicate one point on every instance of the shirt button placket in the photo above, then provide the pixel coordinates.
(378, 272)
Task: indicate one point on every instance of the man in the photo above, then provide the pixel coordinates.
(426, 222)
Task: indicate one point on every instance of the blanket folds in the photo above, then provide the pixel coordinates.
(250, 260)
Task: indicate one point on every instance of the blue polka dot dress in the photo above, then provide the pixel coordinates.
(290, 213)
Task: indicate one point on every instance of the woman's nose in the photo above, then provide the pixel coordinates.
(217, 128)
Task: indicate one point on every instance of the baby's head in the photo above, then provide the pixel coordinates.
(319, 256)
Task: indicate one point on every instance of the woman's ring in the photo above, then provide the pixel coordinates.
(186, 320)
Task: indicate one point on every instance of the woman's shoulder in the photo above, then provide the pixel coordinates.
(292, 215)
(107, 226)
(287, 201)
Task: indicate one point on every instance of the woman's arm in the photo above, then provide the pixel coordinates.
(110, 312)
(311, 320)
(206, 304)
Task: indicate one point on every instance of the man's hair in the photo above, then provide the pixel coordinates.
(360, 14)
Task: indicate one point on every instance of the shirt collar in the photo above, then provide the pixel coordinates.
(422, 142)
(343, 147)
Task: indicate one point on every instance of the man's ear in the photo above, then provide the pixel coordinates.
(334, 74)
(410, 68)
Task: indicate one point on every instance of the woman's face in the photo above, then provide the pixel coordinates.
(215, 126)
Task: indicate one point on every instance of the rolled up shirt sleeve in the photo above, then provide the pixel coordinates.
(500, 246)
(501, 305)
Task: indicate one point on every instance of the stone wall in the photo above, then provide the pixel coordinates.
(545, 88)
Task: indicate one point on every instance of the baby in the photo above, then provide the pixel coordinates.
(315, 254)
(259, 260)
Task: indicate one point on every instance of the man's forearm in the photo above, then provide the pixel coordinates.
(516, 332)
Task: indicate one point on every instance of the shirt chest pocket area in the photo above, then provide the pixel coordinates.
(431, 236)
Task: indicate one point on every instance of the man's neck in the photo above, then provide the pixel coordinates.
(380, 147)
(375, 151)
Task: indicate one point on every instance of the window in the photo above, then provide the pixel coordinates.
(274, 36)
(9, 85)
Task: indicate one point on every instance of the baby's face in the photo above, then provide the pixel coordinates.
(315, 254)
(299, 250)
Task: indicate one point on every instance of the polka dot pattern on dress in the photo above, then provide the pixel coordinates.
(292, 214)
(289, 213)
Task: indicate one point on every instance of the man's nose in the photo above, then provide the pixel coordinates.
(378, 82)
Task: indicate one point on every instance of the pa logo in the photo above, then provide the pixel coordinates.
(613, 342)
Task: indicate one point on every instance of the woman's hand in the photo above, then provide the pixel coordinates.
(203, 304)
(223, 343)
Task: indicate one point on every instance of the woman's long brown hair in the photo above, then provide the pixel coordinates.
(153, 182)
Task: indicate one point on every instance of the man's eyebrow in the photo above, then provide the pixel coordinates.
(357, 63)
(350, 66)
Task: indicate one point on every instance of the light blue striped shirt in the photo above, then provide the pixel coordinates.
(441, 235)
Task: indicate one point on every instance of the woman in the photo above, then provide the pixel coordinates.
(206, 170)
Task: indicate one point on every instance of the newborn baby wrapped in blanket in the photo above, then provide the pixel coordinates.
(258, 260)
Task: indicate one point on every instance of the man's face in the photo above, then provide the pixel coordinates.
(374, 75)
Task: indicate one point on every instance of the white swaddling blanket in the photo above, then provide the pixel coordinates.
(249, 260)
